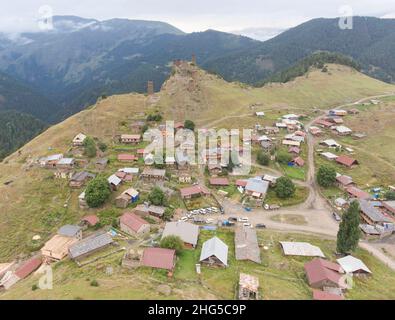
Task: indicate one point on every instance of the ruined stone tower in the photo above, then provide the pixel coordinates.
(193, 59)
(150, 88)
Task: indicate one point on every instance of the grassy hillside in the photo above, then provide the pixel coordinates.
(36, 203)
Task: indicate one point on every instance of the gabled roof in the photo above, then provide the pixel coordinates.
(188, 232)
(375, 215)
(304, 249)
(153, 172)
(66, 161)
(346, 160)
(358, 193)
(318, 270)
(69, 230)
(246, 245)
(158, 258)
(215, 247)
(133, 221)
(79, 137)
(27, 267)
(257, 185)
(114, 180)
(193, 190)
(89, 244)
(219, 181)
(92, 219)
(351, 264)
(344, 180)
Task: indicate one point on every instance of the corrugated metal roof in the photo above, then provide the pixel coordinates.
(188, 232)
(90, 244)
(304, 249)
(215, 247)
(351, 264)
(69, 230)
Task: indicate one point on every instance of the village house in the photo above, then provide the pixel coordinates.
(371, 215)
(50, 161)
(22, 271)
(80, 178)
(294, 150)
(257, 188)
(184, 177)
(246, 245)
(353, 266)
(301, 249)
(291, 143)
(90, 245)
(346, 161)
(330, 143)
(194, 191)
(353, 111)
(65, 163)
(340, 202)
(343, 131)
(323, 123)
(248, 287)
(322, 273)
(188, 232)
(271, 179)
(298, 161)
(124, 157)
(358, 135)
(291, 116)
(63, 174)
(267, 146)
(71, 231)
(101, 163)
(130, 138)
(57, 247)
(271, 130)
(114, 182)
(159, 258)
(337, 113)
(214, 253)
(260, 114)
(357, 193)
(315, 131)
(219, 182)
(214, 169)
(389, 207)
(153, 174)
(79, 140)
(144, 210)
(127, 197)
(89, 221)
(329, 156)
(344, 181)
(133, 224)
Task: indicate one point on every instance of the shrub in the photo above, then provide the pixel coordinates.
(97, 192)
(285, 188)
(172, 242)
(94, 283)
(326, 176)
(263, 158)
(90, 147)
(189, 124)
(283, 157)
(157, 197)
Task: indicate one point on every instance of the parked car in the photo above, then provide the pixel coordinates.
(184, 219)
(243, 219)
(336, 216)
(260, 226)
(246, 224)
(232, 219)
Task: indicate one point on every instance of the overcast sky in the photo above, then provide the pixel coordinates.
(197, 15)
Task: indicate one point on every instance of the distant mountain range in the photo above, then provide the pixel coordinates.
(261, 34)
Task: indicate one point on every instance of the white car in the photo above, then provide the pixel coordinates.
(244, 219)
(209, 220)
(214, 209)
(183, 219)
(246, 224)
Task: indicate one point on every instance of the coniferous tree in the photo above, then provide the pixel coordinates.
(349, 232)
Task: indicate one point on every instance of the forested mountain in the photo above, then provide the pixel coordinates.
(16, 129)
(371, 43)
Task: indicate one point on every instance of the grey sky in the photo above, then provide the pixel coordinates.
(197, 15)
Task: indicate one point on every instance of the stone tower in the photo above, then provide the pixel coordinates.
(193, 59)
(150, 88)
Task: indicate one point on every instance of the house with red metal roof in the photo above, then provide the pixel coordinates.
(219, 182)
(133, 224)
(194, 191)
(298, 161)
(355, 192)
(90, 220)
(124, 157)
(346, 161)
(159, 258)
(323, 273)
